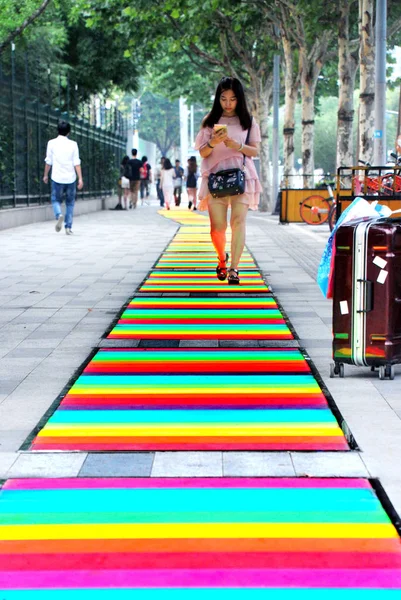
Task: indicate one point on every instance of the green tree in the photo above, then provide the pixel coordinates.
(17, 16)
(159, 122)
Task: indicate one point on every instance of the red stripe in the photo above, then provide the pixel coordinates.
(121, 335)
(197, 321)
(249, 397)
(125, 446)
(276, 545)
(204, 367)
(220, 305)
(74, 401)
(172, 560)
(190, 439)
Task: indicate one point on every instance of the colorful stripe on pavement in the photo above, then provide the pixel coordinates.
(270, 402)
(201, 281)
(209, 323)
(224, 539)
(218, 303)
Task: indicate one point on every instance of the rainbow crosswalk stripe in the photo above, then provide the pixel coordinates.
(271, 401)
(110, 361)
(185, 217)
(159, 323)
(191, 261)
(224, 539)
(218, 302)
(204, 281)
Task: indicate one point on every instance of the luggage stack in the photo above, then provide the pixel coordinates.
(367, 296)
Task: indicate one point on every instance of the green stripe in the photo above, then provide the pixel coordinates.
(52, 518)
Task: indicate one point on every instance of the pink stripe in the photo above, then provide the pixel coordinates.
(145, 578)
(204, 482)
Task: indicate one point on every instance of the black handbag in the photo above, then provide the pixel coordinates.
(230, 182)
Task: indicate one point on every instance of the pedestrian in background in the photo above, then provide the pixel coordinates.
(146, 177)
(192, 174)
(122, 186)
(133, 174)
(158, 173)
(178, 176)
(125, 183)
(167, 182)
(62, 157)
(224, 148)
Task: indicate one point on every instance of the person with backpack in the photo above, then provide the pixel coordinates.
(132, 172)
(178, 175)
(146, 177)
(192, 174)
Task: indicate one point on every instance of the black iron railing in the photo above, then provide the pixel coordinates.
(27, 123)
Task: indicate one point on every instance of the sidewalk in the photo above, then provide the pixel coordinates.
(59, 295)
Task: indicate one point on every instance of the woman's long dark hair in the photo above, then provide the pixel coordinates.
(125, 160)
(167, 164)
(229, 83)
(192, 164)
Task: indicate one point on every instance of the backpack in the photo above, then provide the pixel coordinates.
(191, 180)
(128, 171)
(144, 171)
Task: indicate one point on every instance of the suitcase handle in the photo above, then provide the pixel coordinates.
(368, 295)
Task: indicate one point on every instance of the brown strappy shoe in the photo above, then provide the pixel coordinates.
(222, 271)
(233, 277)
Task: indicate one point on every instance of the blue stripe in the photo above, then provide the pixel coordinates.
(192, 416)
(157, 500)
(202, 593)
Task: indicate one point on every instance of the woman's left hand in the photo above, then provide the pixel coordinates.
(233, 144)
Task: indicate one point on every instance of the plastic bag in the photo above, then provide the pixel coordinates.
(358, 209)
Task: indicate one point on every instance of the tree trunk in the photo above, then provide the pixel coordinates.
(291, 94)
(260, 101)
(308, 86)
(347, 66)
(367, 80)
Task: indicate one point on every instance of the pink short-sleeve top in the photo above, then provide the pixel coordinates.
(226, 158)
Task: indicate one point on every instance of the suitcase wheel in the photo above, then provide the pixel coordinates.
(386, 371)
(336, 369)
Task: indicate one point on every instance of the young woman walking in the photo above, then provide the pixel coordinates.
(167, 183)
(224, 148)
(192, 174)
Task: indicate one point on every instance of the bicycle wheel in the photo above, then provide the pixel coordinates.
(315, 210)
(332, 216)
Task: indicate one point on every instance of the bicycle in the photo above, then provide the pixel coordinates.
(387, 184)
(316, 210)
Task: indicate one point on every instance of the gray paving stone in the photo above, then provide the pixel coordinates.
(329, 464)
(257, 464)
(47, 465)
(7, 459)
(188, 464)
(199, 343)
(125, 464)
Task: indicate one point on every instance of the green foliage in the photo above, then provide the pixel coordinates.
(159, 122)
(13, 14)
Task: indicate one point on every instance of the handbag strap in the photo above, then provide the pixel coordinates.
(246, 142)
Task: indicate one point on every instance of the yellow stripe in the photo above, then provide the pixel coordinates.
(196, 530)
(182, 430)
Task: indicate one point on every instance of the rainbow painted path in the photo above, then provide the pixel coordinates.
(189, 399)
(224, 539)
(196, 399)
(190, 318)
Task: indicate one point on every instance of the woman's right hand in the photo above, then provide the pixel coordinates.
(218, 137)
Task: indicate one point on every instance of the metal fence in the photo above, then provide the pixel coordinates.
(27, 122)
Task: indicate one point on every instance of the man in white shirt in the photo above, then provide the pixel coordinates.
(62, 157)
